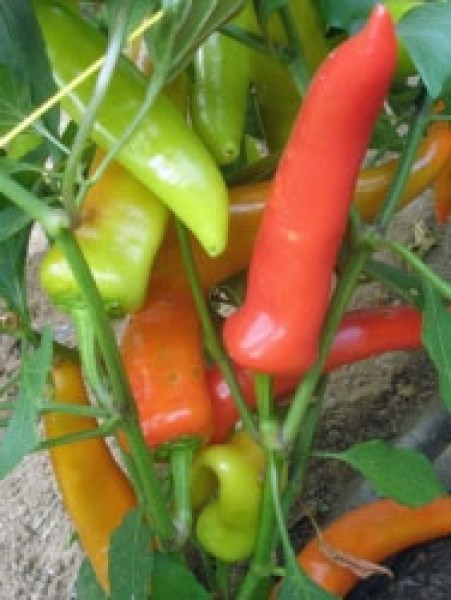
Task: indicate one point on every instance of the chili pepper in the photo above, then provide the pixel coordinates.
(227, 491)
(121, 227)
(164, 153)
(374, 182)
(442, 193)
(162, 353)
(362, 334)
(95, 491)
(289, 283)
(373, 533)
(219, 90)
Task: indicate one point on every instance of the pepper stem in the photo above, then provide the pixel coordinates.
(181, 462)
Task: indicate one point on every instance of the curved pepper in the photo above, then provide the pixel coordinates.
(96, 494)
(374, 182)
(121, 228)
(164, 153)
(219, 91)
(162, 353)
(227, 491)
(362, 334)
(278, 327)
(373, 532)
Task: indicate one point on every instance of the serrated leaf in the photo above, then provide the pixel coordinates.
(21, 434)
(171, 579)
(425, 33)
(88, 586)
(398, 473)
(131, 559)
(297, 586)
(437, 339)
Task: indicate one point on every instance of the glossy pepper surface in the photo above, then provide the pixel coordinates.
(373, 182)
(219, 92)
(96, 494)
(227, 491)
(162, 354)
(373, 532)
(362, 334)
(164, 153)
(121, 228)
(442, 193)
(277, 329)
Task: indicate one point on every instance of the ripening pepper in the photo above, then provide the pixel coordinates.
(162, 354)
(442, 193)
(219, 92)
(373, 532)
(164, 153)
(226, 492)
(278, 327)
(121, 228)
(96, 493)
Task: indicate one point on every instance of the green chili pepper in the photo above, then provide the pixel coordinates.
(218, 99)
(164, 153)
(227, 488)
(122, 226)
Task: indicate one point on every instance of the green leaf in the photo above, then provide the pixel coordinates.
(12, 220)
(398, 473)
(21, 434)
(297, 586)
(88, 586)
(23, 57)
(345, 14)
(425, 33)
(437, 339)
(13, 250)
(130, 559)
(171, 579)
(264, 9)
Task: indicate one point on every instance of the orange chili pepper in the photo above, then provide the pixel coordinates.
(162, 353)
(373, 182)
(96, 493)
(442, 193)
(373, 533)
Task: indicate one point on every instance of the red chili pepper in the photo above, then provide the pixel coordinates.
(278, 327)
(362, 334)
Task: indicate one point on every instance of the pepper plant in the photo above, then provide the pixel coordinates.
(217, 175)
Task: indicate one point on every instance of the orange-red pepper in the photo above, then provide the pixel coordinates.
(442, 193)
(96, 493)
(373, 533)
(162, 354)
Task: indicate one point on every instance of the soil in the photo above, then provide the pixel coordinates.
(381, 397)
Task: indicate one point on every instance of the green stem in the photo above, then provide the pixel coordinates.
(223, 579)
(181, 462)
(378, 242)
(51, 219)
(102, 431)
(144, 467)
(298, 64)
(278, 512)
(255, 42)
(118, 33)
(212, 341)
(391, 202)
(93, 412)
(406, 285)
(301, 451)
(263, 387)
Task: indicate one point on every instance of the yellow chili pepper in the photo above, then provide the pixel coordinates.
(96, 493)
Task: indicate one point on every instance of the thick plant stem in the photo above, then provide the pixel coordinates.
(144, 467)
(181, 462)
(212, 341)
